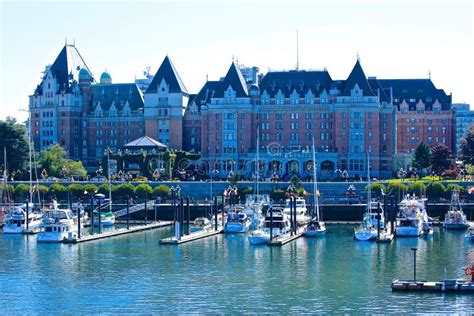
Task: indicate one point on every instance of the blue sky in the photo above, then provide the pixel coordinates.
(395, 39)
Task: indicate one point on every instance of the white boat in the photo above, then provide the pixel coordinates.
(302, 216)
(254, 206)
(200, 223)
(455, 217)
(58, 225)
(281, 225)
(316, 226)
(470, 234)
(365, 232)
(107, 219)
(410, 218)
(15, 221)
(237, 221)
(426, 230)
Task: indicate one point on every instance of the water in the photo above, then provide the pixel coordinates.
(224, 274)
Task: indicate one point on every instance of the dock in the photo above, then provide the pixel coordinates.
(386, 236)
(286, 238)
(118, 232)
(191, 237)
(443, 286)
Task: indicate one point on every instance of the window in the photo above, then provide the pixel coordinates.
(279, 116)
(294, 116)
(369, 136)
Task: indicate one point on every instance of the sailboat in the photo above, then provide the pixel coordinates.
(455, 217)
(367, 231)
(316, 226)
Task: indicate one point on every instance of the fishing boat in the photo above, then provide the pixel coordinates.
(58, 225)
(367, 230)
(410, 218)
(276, 224)
(16, 222)
(237, 221)
(302, 216)
(200, 223)
(455, 217)
(316, 226)
(470, 234)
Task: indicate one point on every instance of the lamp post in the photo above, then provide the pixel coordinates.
(414, 264)
(212, 174)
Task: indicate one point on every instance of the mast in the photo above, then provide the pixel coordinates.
(315, 183)
(257, 163)
(369, 191)
(108, 176)
(30, 198)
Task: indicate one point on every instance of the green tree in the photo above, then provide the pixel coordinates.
(75, 168)
(54, 162)
(376, 188)
(104, 188)
(452, 186)
(440, 159)
(57, 190)
(162, 191)
(22, 191)
(417, 188)
(13, 138)
(123, 190)
(76, 190)
(435, 190)
(243, 192)
(90, 188)
(398, 188)
(422, 157)
(467, 146)
(278, 195)
(142, 190)
(295, 181)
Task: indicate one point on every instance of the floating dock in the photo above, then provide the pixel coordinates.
(118, 232)
(443, 286)
(386, 236)
(191, 237)
(286, 238)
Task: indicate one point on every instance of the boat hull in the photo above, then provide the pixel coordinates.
(456, 226)
(52, 237)
(13, 229)
(259, 240)
(407, 231)
(235, 228)
(315, 233)
(365, 235)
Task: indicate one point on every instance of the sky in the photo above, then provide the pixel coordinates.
(394, 39)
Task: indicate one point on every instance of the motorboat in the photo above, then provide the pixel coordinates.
(455, 217)
(302, 216)
(200, 223)
(410, 218)
(470, 234)
(58, 225)
(18, 222)
(254, 206)
(107, 218)
(276, 224)
(237, 221)
(315, 228)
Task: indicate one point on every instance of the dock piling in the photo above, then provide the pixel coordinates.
(79, 218)
(215, 212)
(188, 208)
(100, 215)
(414, 264)
(378, 219)
(181, 208)
(128, 212)
(27, 214)
(146, 209)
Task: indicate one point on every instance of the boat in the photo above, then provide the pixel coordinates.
(15, 221)
(470, 234)
(107, 218)
(254, 206)
(426, 230)
(410, 218)
(367, 230)
(237, 221)
(455, 217)
(58, 225)
(200, 223)
(302, 216)
(316, 226)
(281, 226)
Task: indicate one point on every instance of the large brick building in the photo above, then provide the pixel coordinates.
(349, 119)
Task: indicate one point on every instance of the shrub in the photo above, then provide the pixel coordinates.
(243, 192)
(451, 187)
(397, 188)
(22, 191)
(417, 188)
(76, 190)
(451, 174)
(90, 188)
(162, 191)
(57, 190)
(278, 195)
(435, 190)
(104, 188)
(142, 190)
(123, 190)
(376, 188)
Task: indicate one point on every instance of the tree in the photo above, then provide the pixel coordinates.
(417, 188)
(467, 146)
(142, 190)
(90, 188)
(162, 191)
(422, 157)
(104, 188)
(441, 159)
(123, 190)
(435, 190)
(243, 192)
(56, 165)
(397, 188)
(76, 190)
(278, 195)
(376, 188)
(57, 190)
(22, 191)
(13, 138)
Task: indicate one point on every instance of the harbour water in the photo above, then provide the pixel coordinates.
(224, 274)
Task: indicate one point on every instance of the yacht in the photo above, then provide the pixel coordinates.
(410, 218)
(455, 217)
(254, 206)
(15, 220)
(58, 225)
(237, 221)
(200, 223)
(302, 216)
(107, 218)
(281, 225)
(316, 226)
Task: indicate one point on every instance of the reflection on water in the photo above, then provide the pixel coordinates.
(133, 273)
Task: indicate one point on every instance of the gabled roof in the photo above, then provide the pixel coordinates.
(234, 79)
(357, 76)
(300, 81)
(117, 93)
(144, 142)
(169, 73)
(417, 89)
(66, 67)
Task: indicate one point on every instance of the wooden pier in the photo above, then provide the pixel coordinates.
(118, 232)
(191, 237)
(286, 238)
(443, 286)
(386, 236)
